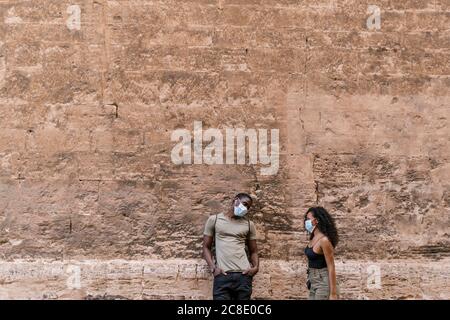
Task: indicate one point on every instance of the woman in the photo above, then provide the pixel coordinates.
(320, 252)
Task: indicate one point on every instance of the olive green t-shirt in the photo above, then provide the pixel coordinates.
(230, 239)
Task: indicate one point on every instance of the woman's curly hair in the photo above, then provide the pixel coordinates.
(325, 223)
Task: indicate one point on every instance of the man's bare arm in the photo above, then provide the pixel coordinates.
(207, 254)
(254, 259)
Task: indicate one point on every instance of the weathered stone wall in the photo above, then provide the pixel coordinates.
(87, 108)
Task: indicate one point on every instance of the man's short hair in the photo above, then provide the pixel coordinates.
(245, 197)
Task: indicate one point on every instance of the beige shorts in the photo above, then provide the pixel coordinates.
(320, 287)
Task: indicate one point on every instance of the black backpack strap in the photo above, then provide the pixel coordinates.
(214, 237)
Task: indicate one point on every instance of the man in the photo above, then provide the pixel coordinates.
(231, 231)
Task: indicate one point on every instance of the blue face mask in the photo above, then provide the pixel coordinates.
(309, 226)
(240, 210)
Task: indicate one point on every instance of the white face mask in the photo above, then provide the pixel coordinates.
(309, 226)
(240, 210)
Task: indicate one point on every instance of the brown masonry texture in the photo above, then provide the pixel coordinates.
(86, 178)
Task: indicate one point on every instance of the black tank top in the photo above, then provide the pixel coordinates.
(316, 261)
